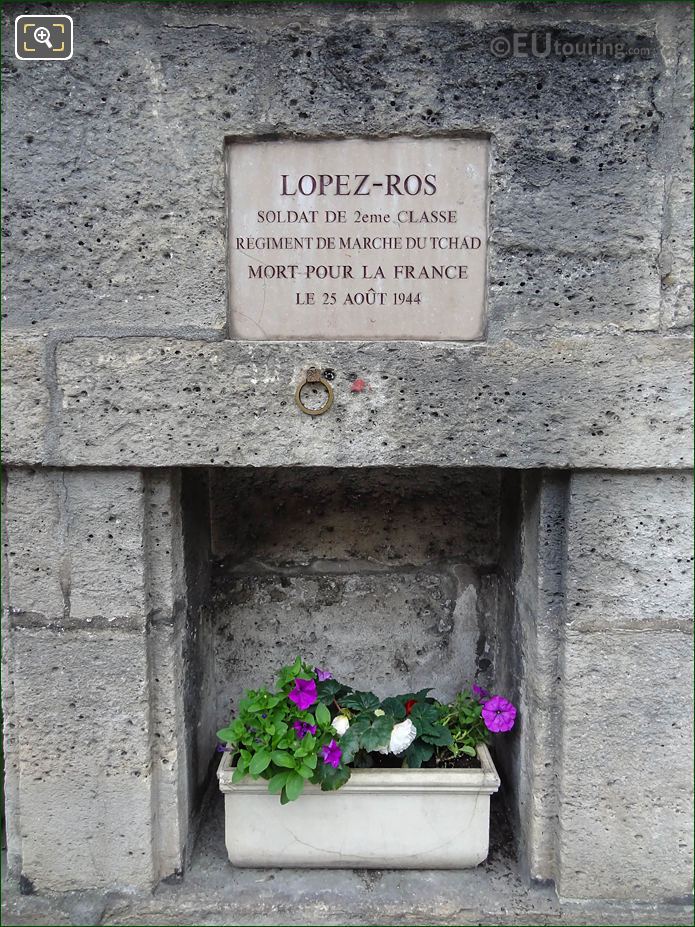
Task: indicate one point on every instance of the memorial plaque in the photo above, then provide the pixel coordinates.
(358, 239)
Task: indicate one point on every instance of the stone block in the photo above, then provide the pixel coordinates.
(105, 543)
(38, 566)
(25, 397)
(630, 551)
(625, 800)
(75, 545)
(82, 740)
(366, 519)
(96, 746)
(170, 754)
(674, 99)
(391, 632)
(608, 402)
(165, 580)
(572, 292)
(539, 600)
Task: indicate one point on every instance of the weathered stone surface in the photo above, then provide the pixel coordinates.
(624, 293)
(391, 633)
(82, 740)
(25, 397)
(626, 775)
(105, 537)
(132, 133)
(37, 566)
(75, 544)
(168, 660)
(630, 551)
(369, 518)
(379, 575)
(594, 654)
(163, 542)
(92, 687)
(622, 402)
(674, 100)
(536, 614)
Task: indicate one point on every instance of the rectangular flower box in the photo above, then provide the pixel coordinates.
(381, 819)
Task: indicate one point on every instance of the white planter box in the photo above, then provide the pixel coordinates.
(381, 819)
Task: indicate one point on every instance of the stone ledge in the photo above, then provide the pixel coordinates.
(213, 892)
(622, 403)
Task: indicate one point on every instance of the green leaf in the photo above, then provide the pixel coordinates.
(438, 735)
(305, 746)
(421, 694)
(425, 717)
(294, 787)
(305, 771)
(350, 743)
(469, 751)
(277, 783)
(418, 753)
(394, 706)
(328, 690)
(360, 701)
(227, 735)
(238, 774)
(378, 734)
(331, 779)
(323, 715)
(282, 759)
(260, 762)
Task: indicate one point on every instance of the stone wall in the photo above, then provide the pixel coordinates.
(97, 769)
(387, 577)
(121, 387)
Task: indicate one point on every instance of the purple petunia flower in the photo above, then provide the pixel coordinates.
(304, 693)
(481, 694)
(332, 754)
(302, 728)
(498, 714)
(322, 675)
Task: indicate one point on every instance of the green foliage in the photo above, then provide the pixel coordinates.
(464, 721)
(265, 742)
(330, 690)
(360, 701)
(273, 739)
(418, 753)
(331, 779)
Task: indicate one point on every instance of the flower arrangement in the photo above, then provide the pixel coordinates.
(314, 729)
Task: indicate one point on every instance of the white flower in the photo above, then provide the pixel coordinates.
(379, 712)
(402, 736)
(340, 724)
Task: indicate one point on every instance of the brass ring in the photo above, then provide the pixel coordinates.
(313, 376)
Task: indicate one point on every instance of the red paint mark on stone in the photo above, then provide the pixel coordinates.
(358, 386)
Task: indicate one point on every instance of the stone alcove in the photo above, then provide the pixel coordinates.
(393, 578)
